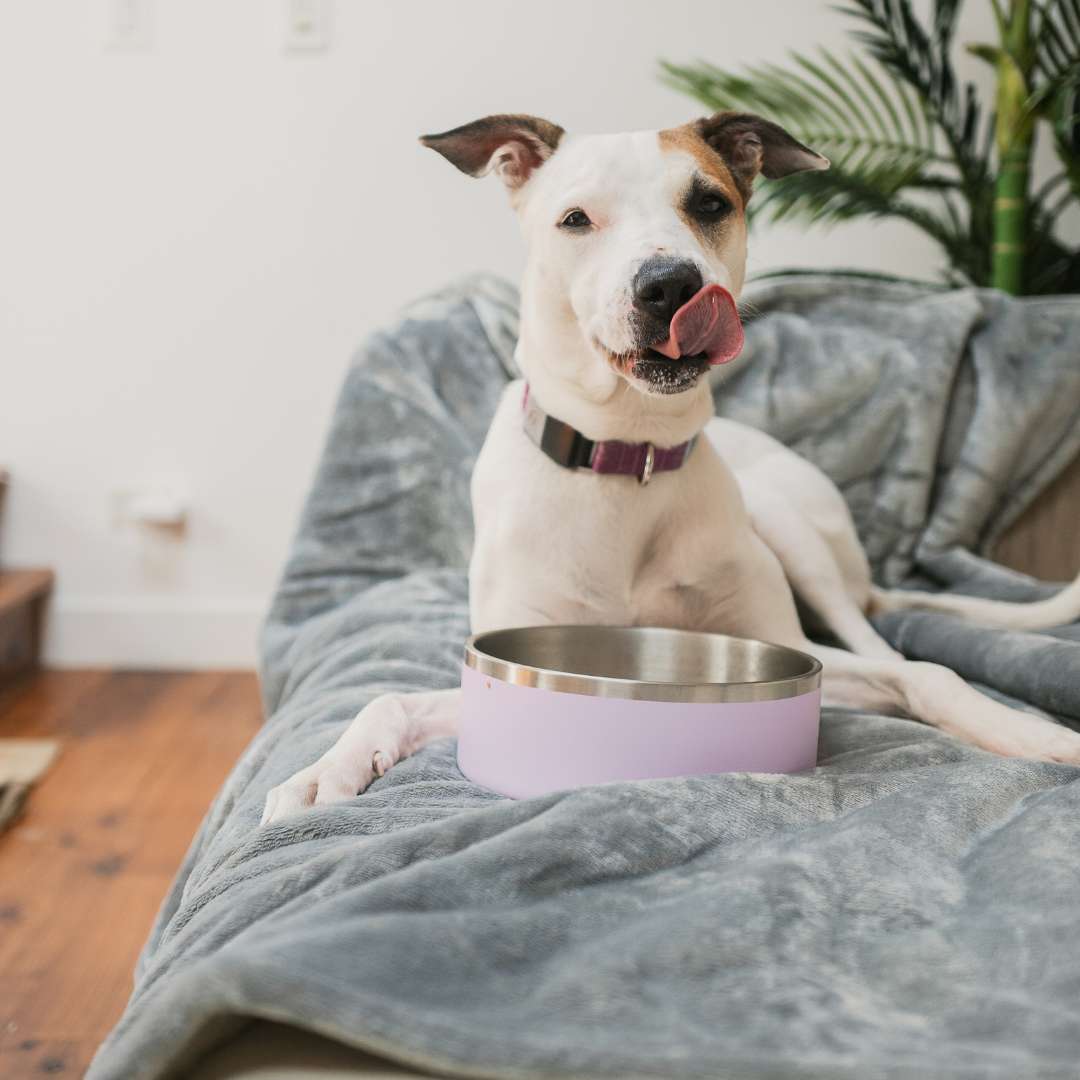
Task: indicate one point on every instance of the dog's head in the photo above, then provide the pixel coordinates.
(637, 242)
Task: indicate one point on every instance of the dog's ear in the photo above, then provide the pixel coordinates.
(512, 146)
(751, 145)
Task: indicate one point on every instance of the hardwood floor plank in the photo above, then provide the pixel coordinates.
(83, 873)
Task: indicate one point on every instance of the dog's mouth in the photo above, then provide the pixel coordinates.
(666, 376)
(704, 332)
(707, 324)
(660, 374)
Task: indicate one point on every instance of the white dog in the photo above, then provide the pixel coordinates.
(596, 500)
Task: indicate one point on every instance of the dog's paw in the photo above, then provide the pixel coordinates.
(1044, 740)
(1015, 733)
(370, 746)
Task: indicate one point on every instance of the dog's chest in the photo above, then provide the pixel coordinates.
(657, 556)
(558, 545)
(681, 579)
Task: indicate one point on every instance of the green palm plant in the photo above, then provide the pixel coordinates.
(908, 140)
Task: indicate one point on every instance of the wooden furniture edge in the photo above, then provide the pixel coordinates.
(1045, 540)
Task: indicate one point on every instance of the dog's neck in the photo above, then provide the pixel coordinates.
(570, 382)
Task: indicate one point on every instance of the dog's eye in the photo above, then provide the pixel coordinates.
(710, 204)
(575, 219)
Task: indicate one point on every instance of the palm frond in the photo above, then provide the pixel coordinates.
(898, 40)
(1057, 38)
(909, 140)
(1051, 266)
(871, 125)
(827, 197)
(1057, 100)
(860, 119)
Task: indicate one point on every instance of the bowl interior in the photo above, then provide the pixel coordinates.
(644, 654)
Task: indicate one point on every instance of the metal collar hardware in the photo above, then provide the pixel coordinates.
(650, 458)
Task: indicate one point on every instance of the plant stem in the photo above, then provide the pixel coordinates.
(1015, 142)
(1010, 221)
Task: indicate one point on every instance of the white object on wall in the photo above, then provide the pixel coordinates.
(307, 25)
(161, 506)
(130, 25)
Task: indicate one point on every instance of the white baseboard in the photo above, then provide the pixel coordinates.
(162, 633)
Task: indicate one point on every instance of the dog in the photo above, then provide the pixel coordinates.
(666, 515)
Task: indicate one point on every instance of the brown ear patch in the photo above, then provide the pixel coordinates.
(689, 140)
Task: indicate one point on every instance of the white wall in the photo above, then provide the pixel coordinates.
(194, 238)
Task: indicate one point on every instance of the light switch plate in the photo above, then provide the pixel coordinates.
(130, 25)
(307, 25)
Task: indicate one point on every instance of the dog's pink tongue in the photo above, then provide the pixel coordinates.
(707, 323)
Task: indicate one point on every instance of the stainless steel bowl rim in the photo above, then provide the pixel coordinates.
(529, 675)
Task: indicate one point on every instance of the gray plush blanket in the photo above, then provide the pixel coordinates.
(911, 908)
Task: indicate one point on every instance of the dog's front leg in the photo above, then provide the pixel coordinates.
(938, 696)
(390, 728)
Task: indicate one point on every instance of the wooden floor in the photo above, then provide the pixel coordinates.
(84, 870)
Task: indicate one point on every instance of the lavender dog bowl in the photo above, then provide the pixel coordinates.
(551, 707)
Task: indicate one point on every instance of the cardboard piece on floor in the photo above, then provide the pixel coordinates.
(22, 761)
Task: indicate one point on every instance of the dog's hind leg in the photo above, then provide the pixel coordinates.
(939, 697)
(814, 573)
(1057, 610)
(390, 728)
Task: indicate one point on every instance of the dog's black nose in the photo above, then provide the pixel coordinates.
(663, 285)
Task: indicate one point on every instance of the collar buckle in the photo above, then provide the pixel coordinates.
(566, 446)
(647, 468)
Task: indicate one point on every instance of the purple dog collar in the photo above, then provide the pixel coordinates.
(566, 446)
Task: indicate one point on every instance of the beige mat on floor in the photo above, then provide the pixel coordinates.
(22, 761)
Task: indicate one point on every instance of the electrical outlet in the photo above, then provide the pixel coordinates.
(164, 505)
(130, 26)
(307, 25)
